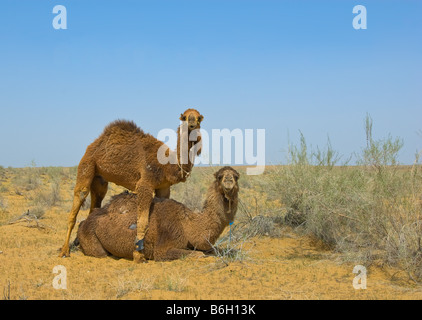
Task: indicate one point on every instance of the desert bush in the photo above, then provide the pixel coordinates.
(192, 192)
(26, 179)
(38, 179)
(379, 154)
(37, 211)
(2, 172)
(3, 204)
(3, 188)
(46, 196)
(369, 211)
(230, 247)
(3, 210)
(252, 221)
(40, 185)
(58, 173)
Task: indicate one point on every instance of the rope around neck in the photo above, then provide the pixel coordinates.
(182, 171)
(230, 231)
(230, 202)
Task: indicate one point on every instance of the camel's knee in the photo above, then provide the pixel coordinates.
(82, 194)
(71, 221)
(144, 204)
(144, 190)
(79, 197)
(78, 200)
(145, 199)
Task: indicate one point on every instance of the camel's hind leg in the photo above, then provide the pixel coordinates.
(86, 173)
(99, 188)
(88, 241)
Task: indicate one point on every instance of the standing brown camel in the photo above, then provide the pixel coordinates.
(174, 229)
(125, 155)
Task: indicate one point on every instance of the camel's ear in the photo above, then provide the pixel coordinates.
(236, 175)
(200, 118)
(182, 117)
(218, 175)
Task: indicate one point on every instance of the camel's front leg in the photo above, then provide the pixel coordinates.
(145, 198)
(174, 254)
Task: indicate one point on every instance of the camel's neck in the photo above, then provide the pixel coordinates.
(186, 148)
(177, 164)
(217, 213)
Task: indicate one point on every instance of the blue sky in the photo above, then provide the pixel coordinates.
(282, 66)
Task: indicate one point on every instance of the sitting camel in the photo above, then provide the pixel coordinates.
(125, 155)
(173, 228)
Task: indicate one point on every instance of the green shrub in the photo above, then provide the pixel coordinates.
(369, 211)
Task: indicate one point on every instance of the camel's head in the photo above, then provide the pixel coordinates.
(193, 119)
(226, 179)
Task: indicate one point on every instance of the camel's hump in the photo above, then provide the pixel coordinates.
(125, 125)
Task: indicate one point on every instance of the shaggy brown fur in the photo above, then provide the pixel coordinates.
(173, 228)
(127, 156)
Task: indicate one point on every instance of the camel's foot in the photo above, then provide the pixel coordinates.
(139, 257)
(64, 252)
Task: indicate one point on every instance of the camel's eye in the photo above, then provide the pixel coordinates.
(183, 118)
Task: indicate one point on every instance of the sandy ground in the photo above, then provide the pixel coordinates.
(289, 267)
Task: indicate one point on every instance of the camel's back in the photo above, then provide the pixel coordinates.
(121, 151)
(123, 125)
(120, 133)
